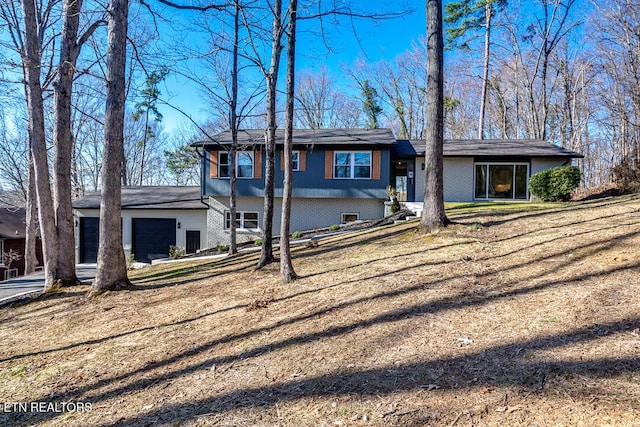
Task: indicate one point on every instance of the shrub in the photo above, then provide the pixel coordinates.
(334, 227)
(296, 234)
(626, 177)
(555, 184)
(393, 195)
(258, 242)
(223, 248)
(176, 252)
(395, 205)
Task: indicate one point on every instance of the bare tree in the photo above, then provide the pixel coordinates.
(111, 273)
(466, 16)
(31, 62)
(433, 214)
(271, 77)
(70, 47)
(286, 266)
(322, 105)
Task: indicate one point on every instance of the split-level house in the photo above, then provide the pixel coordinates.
(342, 175)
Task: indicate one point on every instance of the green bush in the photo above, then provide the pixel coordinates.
(555, 184)
(296, 234)
(334, 227)
(258, 242)
(223, 248)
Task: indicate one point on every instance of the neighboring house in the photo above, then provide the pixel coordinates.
(12, 237)
(341, 175)
(153, 219)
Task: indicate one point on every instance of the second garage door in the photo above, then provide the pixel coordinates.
(152, 237)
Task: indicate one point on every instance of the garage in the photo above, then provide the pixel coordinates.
(89, 232)
(151, 238)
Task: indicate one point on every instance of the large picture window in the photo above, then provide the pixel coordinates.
(506, 181)
(244, 220)
(244, 164)
(352, 165)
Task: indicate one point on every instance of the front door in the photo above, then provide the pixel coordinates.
(193, 241)
(402, 180)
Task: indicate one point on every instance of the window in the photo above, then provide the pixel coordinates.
(244, 220)
(350, 217)
(295, 159)
(501, 181)
(244, 164)
(352, 165)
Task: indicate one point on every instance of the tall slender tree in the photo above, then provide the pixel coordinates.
(465, 16)
(433, 214)
(286, 266)
(234, 123)
(31, 61)
(277, 31)
(145, 108)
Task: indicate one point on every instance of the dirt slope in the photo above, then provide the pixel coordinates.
(509, 317)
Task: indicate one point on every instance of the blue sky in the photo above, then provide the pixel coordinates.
(375, 40)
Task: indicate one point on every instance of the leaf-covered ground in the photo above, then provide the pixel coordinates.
(517, 316)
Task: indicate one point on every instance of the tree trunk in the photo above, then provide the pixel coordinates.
(31, 63)
(485, 68)
(286, 266)
(30, 254)
(433, 214)
(63, 144)
(266, 255)
(111, 273)
(233, 120)
(144, 146)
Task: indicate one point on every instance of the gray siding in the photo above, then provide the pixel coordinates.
(458, 179)
(540, 164)
(306, 214)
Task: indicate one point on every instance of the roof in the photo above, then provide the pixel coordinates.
(12, 223)
(308, 137)
(488, 147)
(149, 197)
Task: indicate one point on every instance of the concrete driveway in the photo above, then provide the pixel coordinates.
(32, 285)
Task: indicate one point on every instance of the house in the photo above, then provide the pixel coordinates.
(13, 237)
(482, 170)
(153, 219)
(341, 175)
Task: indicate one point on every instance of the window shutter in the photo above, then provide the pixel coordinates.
(303, 160)
(257, 164)
(282, 160)
(328, 164)
(376, 164)
(213, 164)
